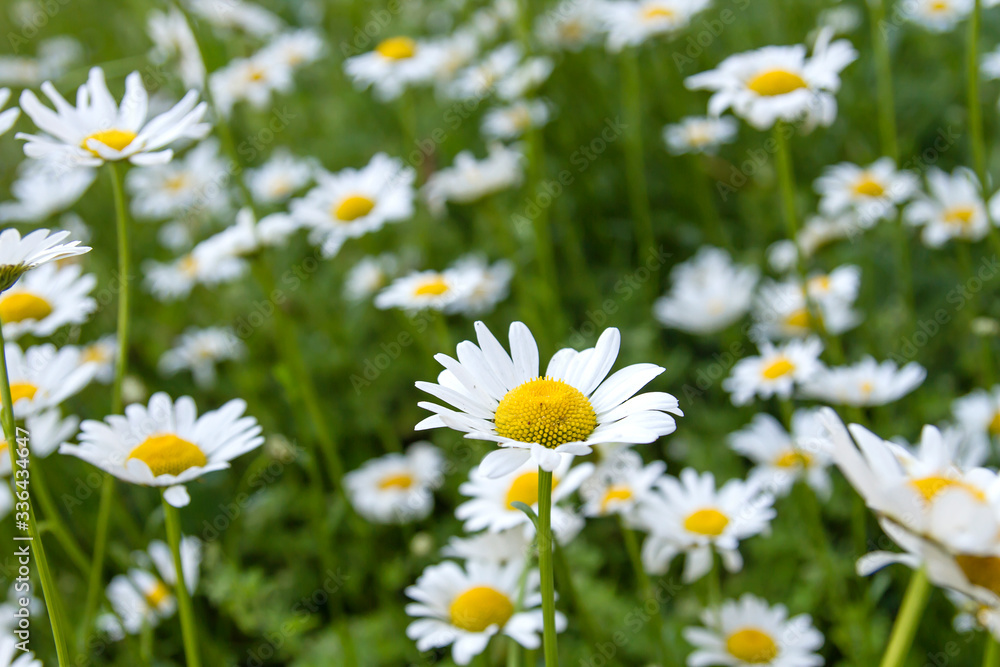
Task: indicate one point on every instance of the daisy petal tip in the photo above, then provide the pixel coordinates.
(177, 496)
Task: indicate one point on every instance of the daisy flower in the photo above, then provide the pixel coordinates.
(295, 48)
(779, 83)
(477, 81)
(204, 265)
(253, 80)
(369, 275)
(953, 208)
(871, 192)
(184, 187)
(18, 254)
(99, 130)
(570, 25)
(775, 372)
(782, 310)
(709, 292)
(817, 232)
(167, 444)
(237, 15)
(632, 22)
(199, 350)
(102, 354)
(699, 134)
(619, 484)
(939, 15)
(8, 117)
(978, 413)
(689, 516)
(780, 459)
(12, 655)
(865, 383)
(397, 488)
(42, 377)
(355, 202)
(43, 188)
(506, 546)
(575, 405)
(513, 120)
(280, 177)
(396, 63)
(491, 499)
(486, 284)
(748, 631)
(43, 300)
(464, 608)
(173, 39)
(469, 179)
(444, 291)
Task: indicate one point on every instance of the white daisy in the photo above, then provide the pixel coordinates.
(42, 377)
(253, 80)
(396, 63)
(247, 235)
(8, 117)
(952, 209)
(619, 484)
(167, 444)
(938, 15)
(708, 293)
(237, 15)
(479, 80)
(687, 515)
(204, 265)
(749, 632)
(978, 413)
(97, 129)
(775, 372)
(173, 39)
(295, 48)
(369, 275)
(43, 300)
(699, 134)
(192, 186)
(199, 350)
(865, 383)
(12, 655)
(781, 309)
(469, 179)
(575, 405)
(570, 25)
(18, 255)
(445, 291)
(484, 285)
(101, 353)
(397, 488)
(632, 22)
(500, 548)
(816, 233)
(513, 120)
(43, 188)
(871, 192)
(779, 83)
(280, 177)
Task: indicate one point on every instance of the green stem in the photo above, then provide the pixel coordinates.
(57, 527)
(786, 186)
(991, 657)
(972, 88)
(907, 621)
(635, 170)
(545, 568)
(189, 631)
(883, 80)
(22, 474)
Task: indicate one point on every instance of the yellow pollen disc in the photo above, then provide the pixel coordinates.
(793, 459)
(175, 183)
(820, 283)
(21, 306)
(168, 454)
(433, 287)
(706, 522)
(778, 368)
(571, 30)
(549, 412)
(156, 596)
(397, 48)
(939, 6)
(995, 423)
(776, 82)
(19, 390)
(867, 387)
(981, 571)
(115, 139)
(929, 487)
(868, 187)
(478, 608)
(799, 319)
(959, 215)
(189, 265)
(257, 74)
(93, 353)
(615, 493)
(353, 207)
(400, 481)
(752, 646)
(655, 12)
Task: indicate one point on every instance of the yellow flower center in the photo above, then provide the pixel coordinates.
(168, 454)
(793, 459)
(397, 48)
(545, 411)
(752, 645)
(657, 12)
(707, 521)
(929, 487)
(995, 423)
(435, 286)
(478, 608)
(616, 493)
(189, 265)
(176, 183)
(939, 6)
(799, 319)
(19, 390)
(353, 207)
(399, 481)
(868, 187)
(114, 139)
(981, 571)
(21, 306)
(776, 82)
(524, 489)
(94, 353)
(778, 368)
(959, 215)
(157, 595)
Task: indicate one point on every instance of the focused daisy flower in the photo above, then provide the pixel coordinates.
(42, 377)
(619, 484)
(166, 444)
(953, 208)
(237, 15)
(46, 299)
(546, 419)
(939, 15)
(775, 372)
(865, 383)
(511, 121)
(464, 608)
(506, 546)
(295, 48)
(173, 40)
(781, 459)
(491, 499)
(189, 187)
(13, 655)
(699, 134)
(355, 202)
(486, 285)
(632, 22)
(783, 309)
(18, 254)
(708, 293)
(748, 631)
(44, 188)
(570, 25)
(253, 80)
(779, 83)
(689, 516)
(99, 130)
(280, 177)
(204, 265)
(444, 291)
(199, 350)
(8, 117)
(397, 488)
(370, 275)
(978, 413)
(469, 179)
(871, 193)
(396, 64)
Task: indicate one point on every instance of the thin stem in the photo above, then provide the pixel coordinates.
(189, 631)
(991, 657)
(883, 80)
(545, 568)
(972, 89)
(905, 626)
(635, 170)
(786, 186)
(56, 526)
(20, 478)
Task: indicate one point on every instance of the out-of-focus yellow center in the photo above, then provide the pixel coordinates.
(959, 215)
(114, 139)
(793, 459)
(189, 265)
(478, 608)
(981, 571)
(524, 489)
(930, 487)
(353, 207)
(939, 6)
(19, 390)
(752, 646)
(157, 594)
(707, 521)
(176, 183)
(545, 411)
(397, 48)
(615, 494)
(995, 423)
(94, 353)
(168, 454)
(655, 12)
(435, 286)
(868, 187)
(780, 367)
(21, 306)
(799, 319)
(776, 82)
(399, 481)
